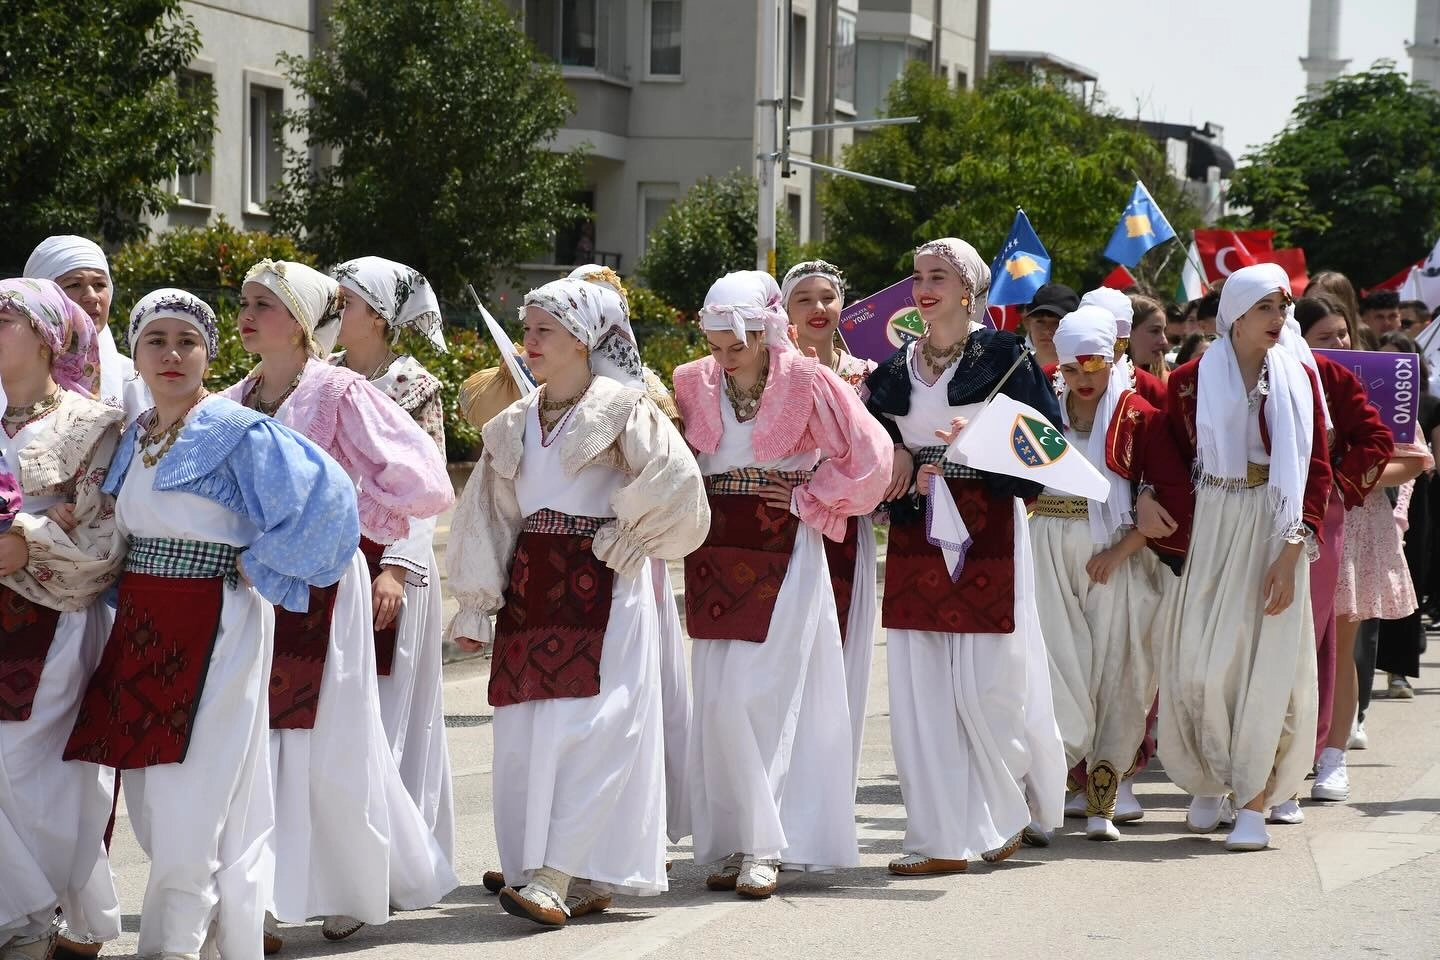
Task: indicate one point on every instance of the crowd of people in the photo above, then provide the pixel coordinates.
(228, 605)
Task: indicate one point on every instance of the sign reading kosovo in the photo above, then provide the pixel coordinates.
(1015, 439)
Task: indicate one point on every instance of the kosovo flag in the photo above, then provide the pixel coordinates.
(1021, 267)
(1141, 227)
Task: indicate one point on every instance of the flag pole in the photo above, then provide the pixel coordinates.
(1024, 352)
(1199, 270)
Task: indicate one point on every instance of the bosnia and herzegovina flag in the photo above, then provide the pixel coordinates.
(1021, 267)
(1141, 227)
(1015, 439)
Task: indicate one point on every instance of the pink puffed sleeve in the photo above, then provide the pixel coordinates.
(857, 453)
(399, 473)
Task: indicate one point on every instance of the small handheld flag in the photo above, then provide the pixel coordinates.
(1141, 227)
(1017, 440)
(509, 353)
(1021, 267)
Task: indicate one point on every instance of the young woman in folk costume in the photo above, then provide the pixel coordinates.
(225, 512)
(349, 841)
(618, 358)
(382, 298)
(1235, 647)
(79, 266)
(578, 486)
(1092, 567)
(812, 294)
(60, 553)
(972, 721)
(789, 456)
(1122, 308)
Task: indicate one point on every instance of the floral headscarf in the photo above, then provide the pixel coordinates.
(182, 305)
(973, 270)
(812, 268)
(399, 294)
(615, 354)
(66, 329)
(308, 294)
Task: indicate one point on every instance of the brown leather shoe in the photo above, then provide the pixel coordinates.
(67, 949)
(583, 900)
(724, 878)
(915, 865)
(518, 905)
(1004, 853)
(271, 944)
(493, 880)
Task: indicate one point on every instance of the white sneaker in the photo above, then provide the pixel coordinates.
(1098, 828)
(1204, 813)
(1332, 782)
(758, 878)
(1249, 833)
(1075, 804)
(1127, 806)
(1287, 812)
(1359, 739)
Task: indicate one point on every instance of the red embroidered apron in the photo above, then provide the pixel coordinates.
(301, 642)
(840, 557)
(733, 580)
(384, 639)
(27, 630)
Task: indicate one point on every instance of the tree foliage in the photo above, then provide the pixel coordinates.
(706, 234)
(1354, 178)
(437, 115)
(95, 125)
(973, 158)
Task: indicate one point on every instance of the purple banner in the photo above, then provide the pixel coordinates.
(874, 328)
(1392, 385)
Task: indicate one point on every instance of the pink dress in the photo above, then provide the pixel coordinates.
(1374, 582)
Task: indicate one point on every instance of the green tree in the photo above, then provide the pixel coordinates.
(1354, 178)
(973, 158)
(437, 114)
(706, 234)
(95, 125)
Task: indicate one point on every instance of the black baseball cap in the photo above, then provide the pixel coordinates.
(1054, 298)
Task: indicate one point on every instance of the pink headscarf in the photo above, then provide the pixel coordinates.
(66, 329)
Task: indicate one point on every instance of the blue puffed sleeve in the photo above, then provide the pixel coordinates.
(304, 506)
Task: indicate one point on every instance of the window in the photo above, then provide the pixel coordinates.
(794, 206)
(575, 241)
(194, 187)
(962, 80)
(655, 201)
(663, 30)
(878, 64)
(580, 33)
(798, 48)
(845, 61)
(263, 157)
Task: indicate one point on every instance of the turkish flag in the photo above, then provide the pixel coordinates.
(1118, 279)
(1293, 260)
(1395, 282)
(1222, 252)
(1003, 318)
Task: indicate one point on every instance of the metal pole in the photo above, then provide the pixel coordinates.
(787, 31)
(840, 124)
(863, 177)
(766, 130)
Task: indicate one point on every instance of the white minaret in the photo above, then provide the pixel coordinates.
(1323, 64)
(1425, 51)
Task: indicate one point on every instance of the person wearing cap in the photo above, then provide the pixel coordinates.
(1051, 302)
(381, 299)
(349, 840)
(789, 455)
(62, 550)
(580, 485)
(79, 266)
(1235, 647)
(972, 714)
(1103, 586)
(225, 512)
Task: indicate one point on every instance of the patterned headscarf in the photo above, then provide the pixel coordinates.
(807, 269)
(181, 305)
(399, 294)
(66, 329)
(973, 270)
(308, 294)
(615, 354)
(747, 301)
(587, 310)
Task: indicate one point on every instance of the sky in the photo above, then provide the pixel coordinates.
(1235, 63)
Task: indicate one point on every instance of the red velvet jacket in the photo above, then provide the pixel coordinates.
(1149, 386)
(1170, 467)
(1360, 444)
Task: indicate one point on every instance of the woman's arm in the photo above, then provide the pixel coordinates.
(483, 532)
(859, 456)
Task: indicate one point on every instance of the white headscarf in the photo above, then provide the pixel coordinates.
(973, 270)
(308, 294)
(1222, 403)
(399, 294)
(615, 354)
(1090, 332)
(182, 305)
(804, 271)
(747, 301)
(1119, 306)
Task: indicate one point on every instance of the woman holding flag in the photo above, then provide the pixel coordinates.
(972, 719)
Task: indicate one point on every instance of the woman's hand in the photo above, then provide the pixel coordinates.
(922, 478)
(386, 595)
(948, 436)
(63, 515)
(901, 473)
(241, 571)
(1103, 565)
(1152, 520)
(1278, 589)
(778, 492)
(14, 553)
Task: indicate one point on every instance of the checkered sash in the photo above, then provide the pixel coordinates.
(751, 480)
(949, 468)
(176, 559)
(565, 524)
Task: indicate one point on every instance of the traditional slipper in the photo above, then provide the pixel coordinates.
(271, 944)
(67, 949)
(518, 905)
(916, 865)
(724, 879)
(584, 899)
(337, 928)
(1003, 853)
(493, 880)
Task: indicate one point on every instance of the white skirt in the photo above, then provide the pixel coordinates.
(972, 722)
(412, 708)
(859, 646)
(1097, 637)
(771, 762)
(53, 813)
(675, 702)
(1238, 688)
(580, 782)
(207, 823)
(348, 838)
